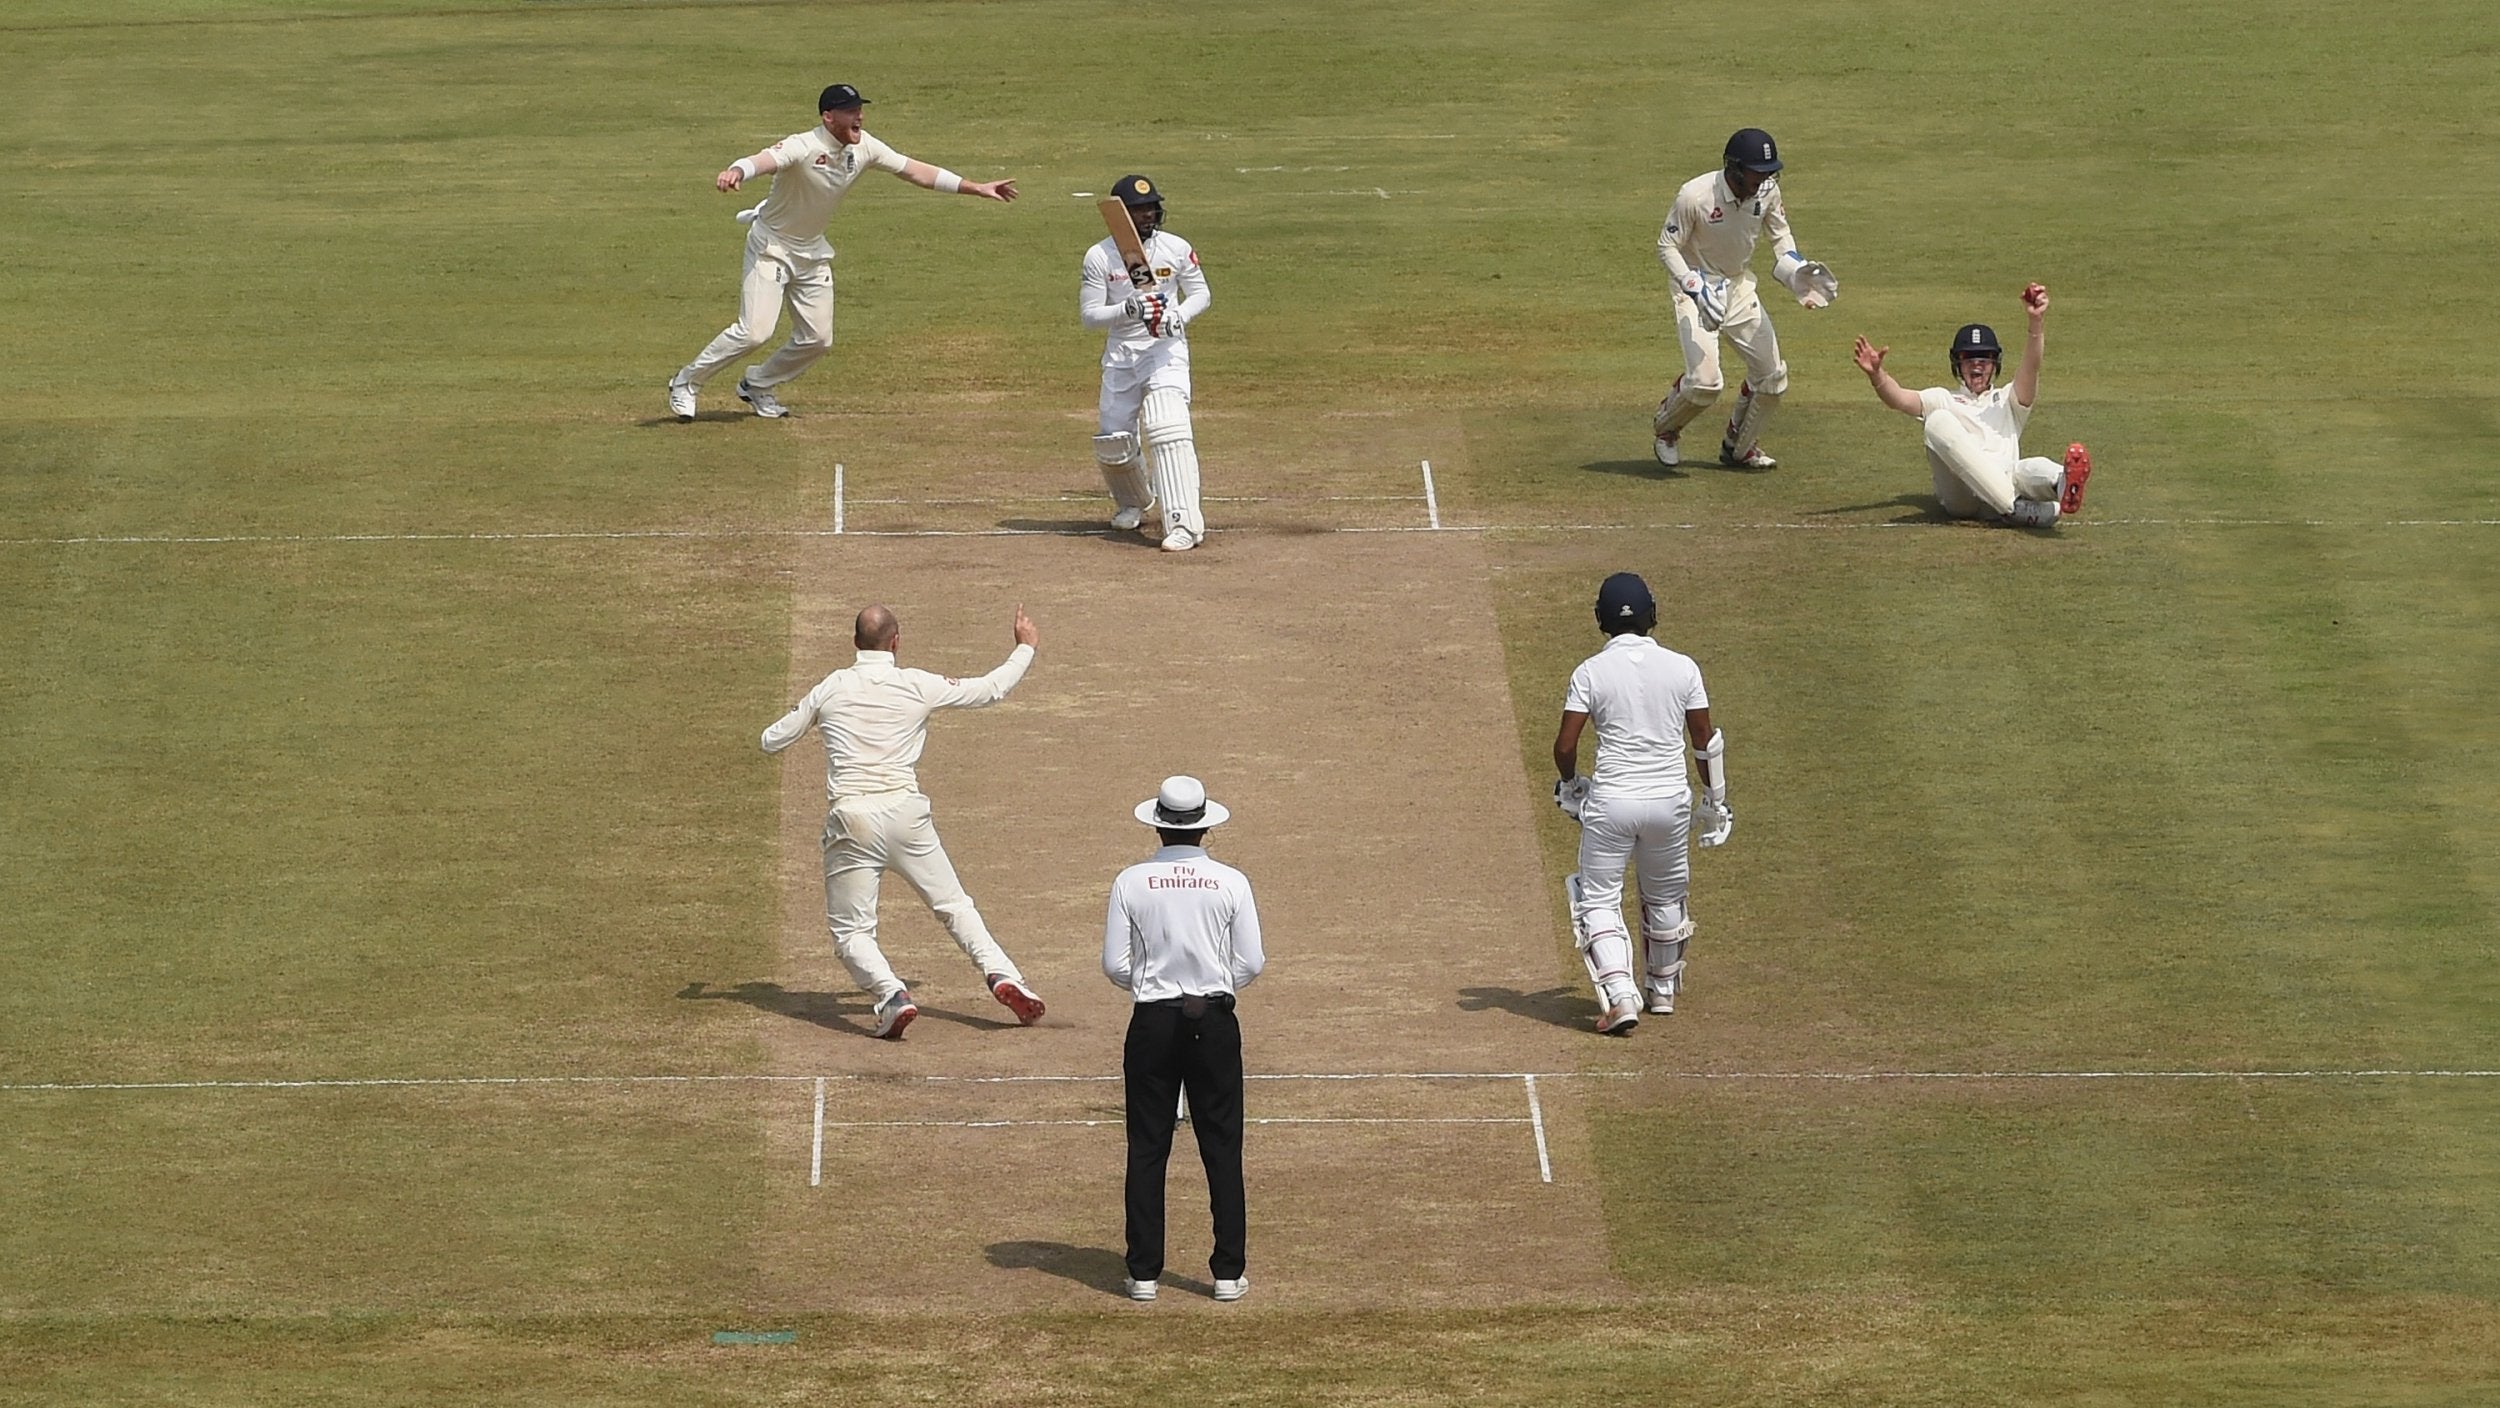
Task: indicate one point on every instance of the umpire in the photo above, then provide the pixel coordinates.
(1183, 937)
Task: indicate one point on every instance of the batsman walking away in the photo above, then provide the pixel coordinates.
(1973, 429)
(874, 717)
(787, 258)
(1141, 288)
(1707, 245)
(1635, 807)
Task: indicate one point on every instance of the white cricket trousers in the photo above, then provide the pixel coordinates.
(1647, 834)
(771, 276)
(1749, 328)
(1974, 481)
(864, 838)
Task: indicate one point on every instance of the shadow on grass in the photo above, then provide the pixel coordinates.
(818, 1009)
(1634, 469)
(1561, 1007)
(1097, 1268)
(1924, 509)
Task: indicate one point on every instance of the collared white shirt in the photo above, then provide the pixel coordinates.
(1710, 231)
(1993, 415)
(1635, 692)
(875, 718)
(1181, 924)
(813, 172)
(1103, 293)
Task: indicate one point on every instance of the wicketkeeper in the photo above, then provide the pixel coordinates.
(1635, 807)
(1148, 453)
(1707, 246)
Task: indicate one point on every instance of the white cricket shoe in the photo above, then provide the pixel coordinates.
(1622, 1014)
(894, 1014)
(680, 399)
(1751, 459)
(765, 403)
(1664, 448)
(1128, 520)
(1179, 540)
(1019, 999)
(1233, 1289)
(1662, 1000)
(1140, 1290)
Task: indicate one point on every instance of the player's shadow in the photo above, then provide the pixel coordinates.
(1634, 469)
(1079, 528)
(819, 1009)
(1923, 509)
(710, 417)
(1097, 1268)
(1561, 1006)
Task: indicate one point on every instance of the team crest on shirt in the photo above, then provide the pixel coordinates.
(1716, 215)
(1163, 272)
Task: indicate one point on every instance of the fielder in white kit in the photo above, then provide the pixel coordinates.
(1707, 246)
(875, 719)
(1636, 807)
(1973, 430)
(1144, 427)
(787, 259)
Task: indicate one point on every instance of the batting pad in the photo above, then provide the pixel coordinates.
(1173, 452)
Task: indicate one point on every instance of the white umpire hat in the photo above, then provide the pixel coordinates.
(1182, 805)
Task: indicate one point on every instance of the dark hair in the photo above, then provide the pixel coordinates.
(1173, 836)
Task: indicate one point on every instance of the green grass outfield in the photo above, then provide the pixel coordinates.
(2205, 782)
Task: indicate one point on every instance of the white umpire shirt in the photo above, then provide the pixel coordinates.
(1993, 415)
(1181, 924)
(814, 171)
(1709, 228)
(1635, 691)
(875, 718)
(1102, 299)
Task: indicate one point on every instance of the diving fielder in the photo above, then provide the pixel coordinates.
(1148, 454)
(787, 259)
(1635, 806)
(1974, 429)
(1707, 246)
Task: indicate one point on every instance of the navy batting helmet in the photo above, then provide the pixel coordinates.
(1753, 149)
(1624, 604)
(1135, 191)
(1975, 340)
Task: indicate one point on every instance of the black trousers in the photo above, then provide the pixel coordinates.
(1168, 1052)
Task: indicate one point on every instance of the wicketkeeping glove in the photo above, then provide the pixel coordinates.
(1809, 279)
(1570, 793)
(1714, 819)
(1709, 297)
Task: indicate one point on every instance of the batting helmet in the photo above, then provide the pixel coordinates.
(1135, 191)
(1624, 604)
(1753, 149)
(1974, 340)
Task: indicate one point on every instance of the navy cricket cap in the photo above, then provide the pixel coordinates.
(1135, 191)
(838, 97)
(1975, 340)
(1753, 149)
(1624, 604)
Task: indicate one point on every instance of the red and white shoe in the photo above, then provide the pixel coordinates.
(1019, 999)
(894, 1014)
(1620, 1017)
(2078, 469)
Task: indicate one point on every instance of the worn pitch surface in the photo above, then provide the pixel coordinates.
(1343, 695)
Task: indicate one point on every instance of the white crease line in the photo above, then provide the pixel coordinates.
(1432, 501)
(1078, 499)
(1253, 170)
(816, 1152)
(1536, 1115)
(837, 496)
(1092, 1124)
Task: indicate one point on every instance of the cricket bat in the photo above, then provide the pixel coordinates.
(1141, 275)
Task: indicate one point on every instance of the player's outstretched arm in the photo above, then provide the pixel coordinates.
(1892, 393)
(938, 178)
(2035, 342)
(745, 169)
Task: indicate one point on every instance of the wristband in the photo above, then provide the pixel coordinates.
(947, 181)
(745, 167)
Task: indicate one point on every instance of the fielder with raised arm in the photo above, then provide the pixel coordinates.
(787, 259)
(875, 720)
(1707, 246)
(1635, 806)
(1148, 453)
(1974, 429)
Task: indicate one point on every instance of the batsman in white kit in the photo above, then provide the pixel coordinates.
(1707, 246)
(1973, 429)
(1635, 807)
(1142, 288)
(875, 720)
(787, 259)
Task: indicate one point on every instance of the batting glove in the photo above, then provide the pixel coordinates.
(1709, 300)
(1716, 820)
(1570, 794)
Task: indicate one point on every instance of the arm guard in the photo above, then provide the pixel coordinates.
(1713, 759)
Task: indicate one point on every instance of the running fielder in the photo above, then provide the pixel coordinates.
(1148, 454)
(1707, 245)
(1974, 429)
(787, 259)
(1635, 806)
